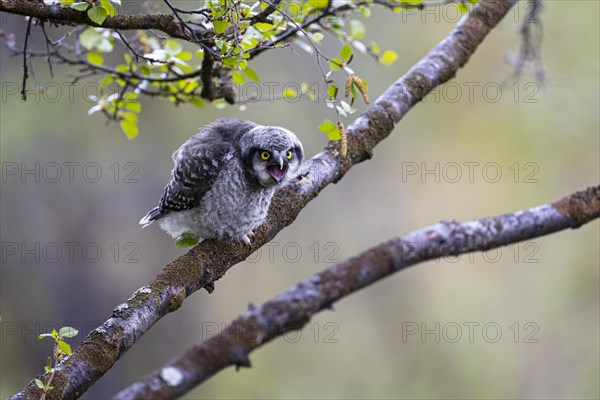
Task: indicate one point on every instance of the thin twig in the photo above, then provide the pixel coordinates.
(203, 11)
(135, 53)
(184, 25)
(48, 43)
(25, 69)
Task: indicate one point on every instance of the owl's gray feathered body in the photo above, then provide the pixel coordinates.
(224, 178)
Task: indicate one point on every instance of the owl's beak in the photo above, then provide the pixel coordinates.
(277, 169)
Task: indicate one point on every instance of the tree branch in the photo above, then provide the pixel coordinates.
(209, 261)
(68, 16)
(293, 309)
(263, 16)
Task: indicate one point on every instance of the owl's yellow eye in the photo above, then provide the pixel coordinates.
(265, 155)
(289, 154)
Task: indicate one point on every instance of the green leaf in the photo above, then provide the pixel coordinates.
(462, 7)
(190, 85)
(80, 5)
(316, 5)
(90, 38)
(64, 347)
(317, 37)
(388, 57)
(332, 91)
(238, 77)
(39, 383)
(230, 61)
(186, 240)
(133, 105)
(97, 14)
(336, 64)
(95, 58)
(197, 102)
(110, 10)
(184, 55)
(129, 128)
(375, 48)
(356, 29)
(250, 73)
(355, 91)
(346, 52)
(249, 43)
(68, 332)
(334, 135)
(173, 46)
(220, 26)
(366, 11)
(44, 335)
(331, 129)
(221, 45)
(263, 26)
(290, 93)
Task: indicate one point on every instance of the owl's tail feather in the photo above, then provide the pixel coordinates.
(152, 216)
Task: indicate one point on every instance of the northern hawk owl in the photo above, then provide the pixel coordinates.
(223, 180)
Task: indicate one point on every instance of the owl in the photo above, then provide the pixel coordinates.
(223, 180)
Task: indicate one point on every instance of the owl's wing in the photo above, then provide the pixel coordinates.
(196, 169)
(197, 165)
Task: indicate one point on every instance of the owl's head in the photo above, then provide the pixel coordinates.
(272, 154)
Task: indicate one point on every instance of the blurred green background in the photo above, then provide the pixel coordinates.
(542, 295)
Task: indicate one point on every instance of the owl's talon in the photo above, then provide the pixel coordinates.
(210, 287)
(248, 238)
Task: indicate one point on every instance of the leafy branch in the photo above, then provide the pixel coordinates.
(61, 350)
(221, 38)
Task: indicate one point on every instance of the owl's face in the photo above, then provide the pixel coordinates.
(272, 154)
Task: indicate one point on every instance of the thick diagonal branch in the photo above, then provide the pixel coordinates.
(210, 260)
(294, 308)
